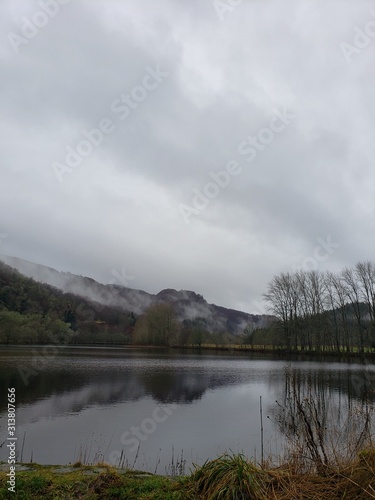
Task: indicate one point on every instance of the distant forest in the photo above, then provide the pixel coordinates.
(36, 313)
(314, 311)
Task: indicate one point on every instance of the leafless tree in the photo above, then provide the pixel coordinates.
(354, 297)
(365, 274)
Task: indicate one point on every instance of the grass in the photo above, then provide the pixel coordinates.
(88, 483)
(229, 477)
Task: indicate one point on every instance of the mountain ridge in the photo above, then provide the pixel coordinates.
(188, 304)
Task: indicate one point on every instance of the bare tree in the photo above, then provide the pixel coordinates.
(325, 310)
(337, 296)
(354, 296)
(365, 274)
(316, 296)
(279, 297)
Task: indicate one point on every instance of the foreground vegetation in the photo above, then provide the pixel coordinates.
(228, 477)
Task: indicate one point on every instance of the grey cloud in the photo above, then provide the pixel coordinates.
(120, 206)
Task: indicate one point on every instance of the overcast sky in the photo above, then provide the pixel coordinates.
(188, 144)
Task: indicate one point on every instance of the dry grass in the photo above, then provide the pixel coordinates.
(236, 478)
(229, 477)
(329, 455)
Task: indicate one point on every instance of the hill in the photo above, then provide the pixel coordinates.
(188, 305)
(36, 313)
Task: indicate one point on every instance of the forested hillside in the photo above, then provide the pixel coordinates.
(188, 305)
(36, 313)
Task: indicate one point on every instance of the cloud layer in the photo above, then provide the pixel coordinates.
(184, 89)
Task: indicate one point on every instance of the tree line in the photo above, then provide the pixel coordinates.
(315, 311)
(37, 313)
(160, 326)
(324, 311)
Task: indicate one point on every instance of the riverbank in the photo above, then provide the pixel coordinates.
(234, 476)
(368, 353)
(277, 352)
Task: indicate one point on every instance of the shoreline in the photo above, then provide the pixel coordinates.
(231, 348)
(229, 474)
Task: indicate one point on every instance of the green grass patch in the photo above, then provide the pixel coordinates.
(89, 483)
(229, 477)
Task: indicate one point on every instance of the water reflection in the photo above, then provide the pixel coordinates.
(103, 392)
(80, 381)
(326, 420)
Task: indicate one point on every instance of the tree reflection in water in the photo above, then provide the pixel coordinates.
(323, 427)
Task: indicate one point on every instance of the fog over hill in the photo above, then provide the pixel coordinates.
(188, 304)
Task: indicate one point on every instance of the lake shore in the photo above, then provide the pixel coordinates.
(149, 410)
(234, 475)
(299, 354)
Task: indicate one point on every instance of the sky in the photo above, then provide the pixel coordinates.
(190, 144)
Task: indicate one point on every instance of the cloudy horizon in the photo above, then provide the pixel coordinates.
(197, 145)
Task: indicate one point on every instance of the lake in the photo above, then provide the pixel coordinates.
(161, 410)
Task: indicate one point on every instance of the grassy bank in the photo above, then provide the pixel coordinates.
(228, 477)
(87, 482)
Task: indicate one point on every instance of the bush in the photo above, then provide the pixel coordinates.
(230, 477)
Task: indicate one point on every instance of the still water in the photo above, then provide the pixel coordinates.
(156, 409)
